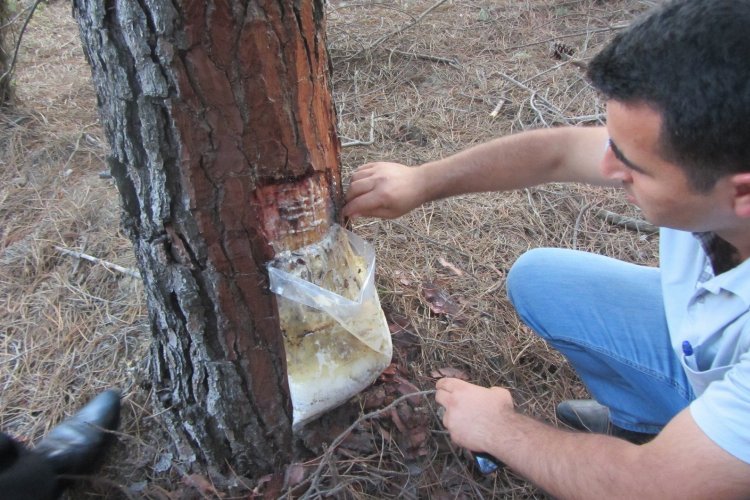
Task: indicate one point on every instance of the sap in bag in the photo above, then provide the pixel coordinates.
(336, 337)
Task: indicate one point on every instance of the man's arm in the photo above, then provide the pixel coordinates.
(681, 462)
(566, 154)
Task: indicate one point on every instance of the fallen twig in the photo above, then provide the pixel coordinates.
(96, 260)
(399, 30)
(597, 117)
(498, 107)
(450, 62)
(314, 478)
(533, 93)
(631, 223)
(538, 111)
(568, 60)
(570, 35)
(577, 226)
(364, 143)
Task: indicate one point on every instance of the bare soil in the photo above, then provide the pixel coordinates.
(423, 80)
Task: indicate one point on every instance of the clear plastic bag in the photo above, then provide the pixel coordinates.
(335, 334)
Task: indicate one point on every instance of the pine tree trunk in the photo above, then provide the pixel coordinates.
(224, 152)
(6, 53)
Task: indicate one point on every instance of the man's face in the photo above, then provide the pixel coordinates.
(660, 188)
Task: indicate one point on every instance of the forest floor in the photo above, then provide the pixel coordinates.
(426, 79)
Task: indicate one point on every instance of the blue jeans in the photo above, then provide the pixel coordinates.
(607, 317)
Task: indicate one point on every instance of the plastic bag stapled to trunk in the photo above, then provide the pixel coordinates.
(335, 334)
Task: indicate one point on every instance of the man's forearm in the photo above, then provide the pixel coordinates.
(567, 464)
(567, 154)
(680, 462)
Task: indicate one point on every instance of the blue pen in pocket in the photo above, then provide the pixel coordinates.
(687, 351)
(687, 348)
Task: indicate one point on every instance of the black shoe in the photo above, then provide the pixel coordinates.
(589, 416)
(77, 445)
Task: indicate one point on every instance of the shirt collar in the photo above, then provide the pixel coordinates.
(722, 255)
(734, 277)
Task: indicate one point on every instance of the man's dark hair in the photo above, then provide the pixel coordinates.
(690, 61)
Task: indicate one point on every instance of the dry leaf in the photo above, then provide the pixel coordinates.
(201, 484)
(441, 303)
(374, 398)
(418, 437)
(389, 372)
(360, 442)
(391, 369)
(406, 338)
(295, 474)
(383, 433)
(394, 328)
(397, 421)
(397, 318)
(438, 299)
(405, 387)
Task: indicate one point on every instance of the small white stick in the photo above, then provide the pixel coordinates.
(96, 260)
(364, 143)
(497, 109)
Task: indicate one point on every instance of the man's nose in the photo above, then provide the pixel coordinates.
(612, 168)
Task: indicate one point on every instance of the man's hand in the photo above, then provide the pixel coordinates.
(681, 462)
(386, 190)
(473, 415)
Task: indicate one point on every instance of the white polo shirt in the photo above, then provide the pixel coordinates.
(711, 313)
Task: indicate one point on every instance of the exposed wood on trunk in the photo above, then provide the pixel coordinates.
(224, 152)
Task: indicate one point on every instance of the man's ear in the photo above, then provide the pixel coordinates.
(741, 185)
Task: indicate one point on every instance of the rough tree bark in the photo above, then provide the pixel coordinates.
(224, 152)
(6, 53)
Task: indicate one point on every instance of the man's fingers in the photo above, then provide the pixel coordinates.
(378, 190)
(358, 188)
(441, 397)
(366, 166)
(365, 204)
(448, 383)
(363, 172)
(444, 388)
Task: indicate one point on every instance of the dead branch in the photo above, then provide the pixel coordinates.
(497, 108)
(399, 30)
(314, 479)
(616, 27)
(533, 93)
(638, 225)
(577, 226)
(96, 260)
(453, 62)
(363, 143)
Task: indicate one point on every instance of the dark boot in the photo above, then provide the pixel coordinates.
(23, 474)
(77, 445)
(589, 416)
